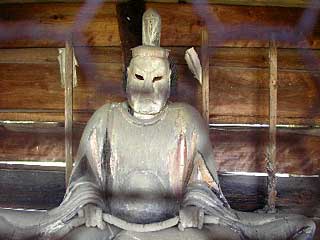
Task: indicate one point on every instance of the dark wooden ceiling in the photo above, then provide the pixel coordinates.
(280, 3)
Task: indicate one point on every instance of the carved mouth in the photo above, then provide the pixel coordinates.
(148, 100)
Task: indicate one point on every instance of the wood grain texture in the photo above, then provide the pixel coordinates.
(235, 150)
(45, 189)
(239, 85)
(187, 28)
(288, 59)
(237, 95)
(244, 150)
(280, 3)
(68, 108)
(57, 18)
(43, 143)
(43, 116)
(272, 147)
(244, 95)
(103, 30)
(49, 55)
(247, 57)
(205, 64)
(24, 88)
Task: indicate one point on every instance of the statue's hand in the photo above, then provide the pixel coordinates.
(93, 216)
(191, 217)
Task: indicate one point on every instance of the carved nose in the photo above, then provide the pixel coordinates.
(148, 86)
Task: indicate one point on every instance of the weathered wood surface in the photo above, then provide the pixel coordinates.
(24, 88)
(45, 189)
(280, 3)
(271, 156)
(49, 55)
(68, 107)
(245, 150)
(98, 83)
(244, 95)
(288, 59)
(42, 115)
(239, 85)
(35, 143)
(187, 27)
(49, 20)
(237, 95)
(205, 81)
(235, 150)
(103, 30)
(31, 189)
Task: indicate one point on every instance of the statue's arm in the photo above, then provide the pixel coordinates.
(204, 146)
(205, 150)
(90, 146)
(85, 181)
(201, 198)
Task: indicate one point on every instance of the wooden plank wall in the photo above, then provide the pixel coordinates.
(236, 150)
(45, 189)
(31, 90)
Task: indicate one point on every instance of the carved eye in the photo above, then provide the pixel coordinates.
(139, 77)
(157, 78)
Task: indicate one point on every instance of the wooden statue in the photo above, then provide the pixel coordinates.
(137, 172)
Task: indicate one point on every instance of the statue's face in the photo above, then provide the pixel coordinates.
(148, 84)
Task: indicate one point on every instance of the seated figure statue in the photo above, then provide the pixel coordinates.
(137, 173)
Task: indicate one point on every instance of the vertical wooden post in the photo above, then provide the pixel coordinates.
(68, 109)
(205, 73)
(272, 149)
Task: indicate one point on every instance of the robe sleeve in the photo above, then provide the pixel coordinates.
(201, 193)
(87, 180)
(89, 173)
(86, 186)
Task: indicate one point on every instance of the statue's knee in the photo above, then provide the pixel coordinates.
(170, 233)
(303, 226)
(85, 233)
(304, 222)
(6, 229)
(310, 226)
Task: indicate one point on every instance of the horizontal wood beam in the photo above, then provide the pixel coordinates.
(235, 149)
(238, 95)
(279, 3)
(43, 115)
(240, 57)
(103, 30)
(239, 78)
(45, 189)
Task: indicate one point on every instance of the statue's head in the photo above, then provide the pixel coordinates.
(148, 75)
(148, 79)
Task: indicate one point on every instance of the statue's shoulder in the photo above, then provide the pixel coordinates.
(184, 109)
(100, 116)
(104, 110)
(190, 115)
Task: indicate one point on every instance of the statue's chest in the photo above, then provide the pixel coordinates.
(139, 155)
(139, 165)
(149, 159)
(148, 169)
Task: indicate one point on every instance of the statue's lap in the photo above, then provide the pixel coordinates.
(207, 233)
